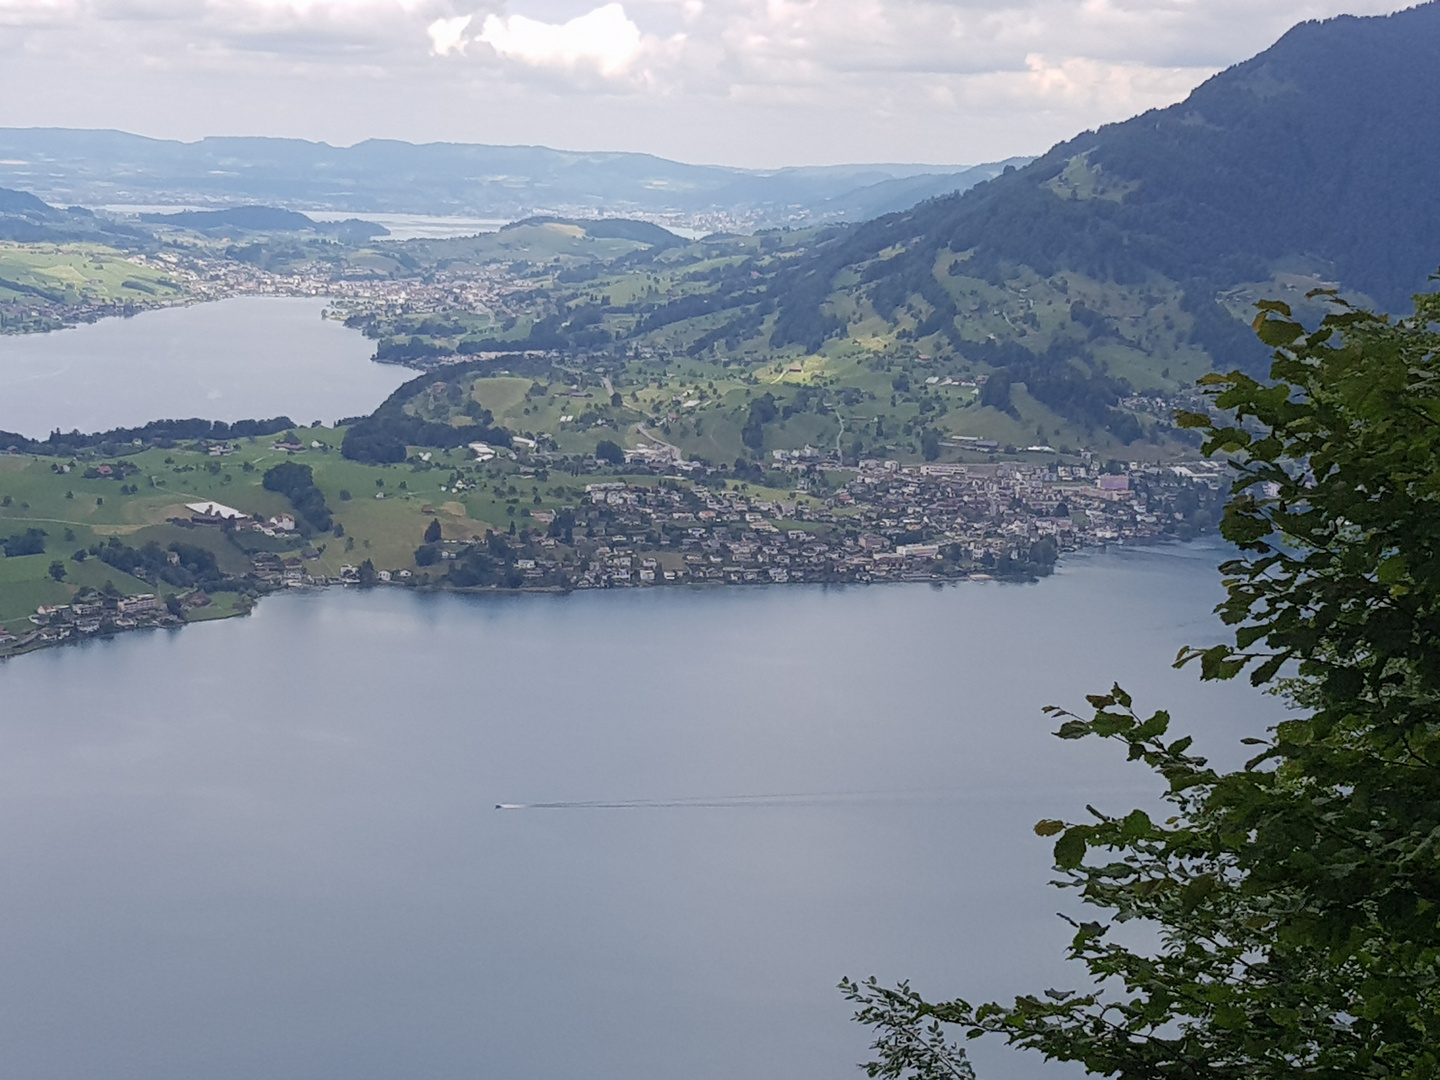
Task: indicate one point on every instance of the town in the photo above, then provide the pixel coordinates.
(665, 523)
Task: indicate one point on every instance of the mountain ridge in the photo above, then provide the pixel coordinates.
(1310, 151)
(105, 167)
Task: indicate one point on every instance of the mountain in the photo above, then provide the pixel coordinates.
(23, 204)
(1315, 161)
(266, 219)
(100, 168)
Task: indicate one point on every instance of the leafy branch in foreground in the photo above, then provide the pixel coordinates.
(1297, 900)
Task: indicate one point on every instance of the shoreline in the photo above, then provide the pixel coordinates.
(246, 603)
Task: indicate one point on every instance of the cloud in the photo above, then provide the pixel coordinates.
(447, 35)
(605, 39)
(758, 82)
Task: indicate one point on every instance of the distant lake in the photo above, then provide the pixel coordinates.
(419, 226)
(268, 847)
(228, 360)
(401, 226)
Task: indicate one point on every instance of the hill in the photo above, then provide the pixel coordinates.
(1310, 159)
(382, 175)
(265, 219)
(26, 218)
(640, 232)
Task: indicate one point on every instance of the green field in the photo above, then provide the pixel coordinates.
(81, 274)
(715, 350)
(76, 512)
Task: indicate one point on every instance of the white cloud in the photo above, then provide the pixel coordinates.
(757, 82)
(447, 35)
(604, 38)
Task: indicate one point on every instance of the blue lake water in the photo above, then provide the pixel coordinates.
(268, 847)
(248, 357)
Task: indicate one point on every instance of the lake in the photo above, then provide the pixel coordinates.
(269, 846)
(248, 357)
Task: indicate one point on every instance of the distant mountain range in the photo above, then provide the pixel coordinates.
(1319, 157)
(100, 168)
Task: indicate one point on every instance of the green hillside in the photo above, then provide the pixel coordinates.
(1310, 162)
(1072, 302)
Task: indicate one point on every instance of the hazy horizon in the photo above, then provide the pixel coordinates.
(897, 164)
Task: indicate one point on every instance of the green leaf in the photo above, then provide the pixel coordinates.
(1277, 332)
(1136, 825)
(1048, 827)
(1070, 849)
(1277, 306)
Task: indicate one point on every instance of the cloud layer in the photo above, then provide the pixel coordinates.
(752, 82)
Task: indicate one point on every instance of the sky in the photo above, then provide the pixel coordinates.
(754, 83)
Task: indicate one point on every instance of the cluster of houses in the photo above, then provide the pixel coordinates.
(890, 522)
(96, 615)
(214, 513)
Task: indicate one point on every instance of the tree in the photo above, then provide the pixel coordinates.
(608, 450)
(432, 531)
(297, 483)
(30, 542)
(1297, 899)
(367, 575)
(57, 570)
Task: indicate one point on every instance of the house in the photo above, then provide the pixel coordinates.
(918, 551)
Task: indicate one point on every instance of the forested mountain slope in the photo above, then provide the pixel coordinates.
(1319, 156)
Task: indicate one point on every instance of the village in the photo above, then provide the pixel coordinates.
(658, 520)
(891, 522)
(96, 614)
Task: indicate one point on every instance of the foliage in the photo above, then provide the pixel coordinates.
(762, 411)
(489, 563)
(297, 483)
(29, 542)
(191, 566)
(162, 433)
(1297, 899)
(610, 451)
(385, 435)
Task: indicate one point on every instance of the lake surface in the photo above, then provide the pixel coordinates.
(268, 847)
(248, 357)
